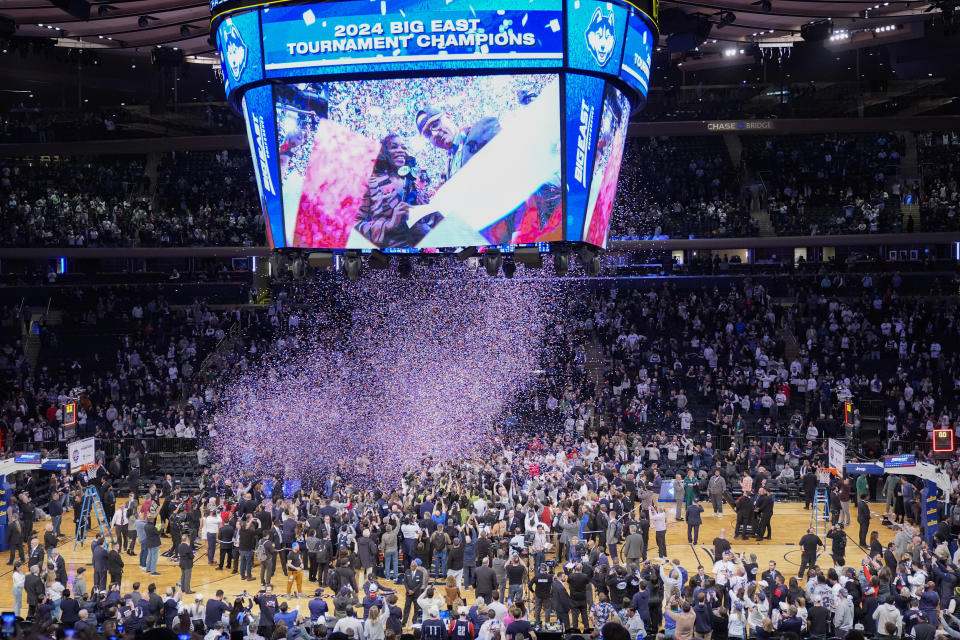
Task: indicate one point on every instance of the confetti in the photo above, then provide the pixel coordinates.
(385, 371)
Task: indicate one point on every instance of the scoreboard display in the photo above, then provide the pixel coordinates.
(432, 124)
(70, 414)
(943, 444)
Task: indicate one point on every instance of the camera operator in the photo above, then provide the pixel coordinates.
(518, 543)
(191, 520)
(170, 502)
(176, 528)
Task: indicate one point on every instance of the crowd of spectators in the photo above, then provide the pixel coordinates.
(829, 184)
(939, 165)
(112, 123)
(669, 187)
(762, 101)
(680, 187)
(701, 104)
(209, 198)
(28, 126)
(202, 198)
(130, 344)
(728, 383)
(136, 355)
(87, 202)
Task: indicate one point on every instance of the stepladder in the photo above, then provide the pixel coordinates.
(92, 507)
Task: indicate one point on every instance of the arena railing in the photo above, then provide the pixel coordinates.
(899, 240)
(119, 446)
(776, 126)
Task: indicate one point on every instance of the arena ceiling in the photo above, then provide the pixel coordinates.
(137, 26)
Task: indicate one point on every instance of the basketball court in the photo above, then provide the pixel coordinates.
(790, 522)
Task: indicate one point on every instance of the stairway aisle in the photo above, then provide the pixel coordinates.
(908, 211)
(596, 363)
(152, 170)
(791, 348)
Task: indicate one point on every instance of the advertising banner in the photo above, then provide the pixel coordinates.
(864, 468)
(930, 509)
(82, 454)
(837, 454)
(5, 494)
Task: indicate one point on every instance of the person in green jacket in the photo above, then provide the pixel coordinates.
(862, 488)
(690, 488)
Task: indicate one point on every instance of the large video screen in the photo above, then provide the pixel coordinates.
(420, 162)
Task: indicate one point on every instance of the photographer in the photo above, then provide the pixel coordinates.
(838, 543)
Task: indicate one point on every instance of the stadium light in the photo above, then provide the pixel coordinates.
(593, 266)
(352, 265)
(379, 260)
(405, 267)
(492, 261)
(528, 256)
(320, 260)
(509, 267)
(561, 263)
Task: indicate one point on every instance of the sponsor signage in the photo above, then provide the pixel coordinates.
(740, 125)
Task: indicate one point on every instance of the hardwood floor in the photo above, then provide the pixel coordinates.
(790, 522)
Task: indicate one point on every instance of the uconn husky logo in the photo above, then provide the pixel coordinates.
(234, 48)
(600, 36)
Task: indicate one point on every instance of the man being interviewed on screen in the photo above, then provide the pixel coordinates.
(461, 144)
(435, 124)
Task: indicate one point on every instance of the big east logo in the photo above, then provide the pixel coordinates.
(235, 49)
(600, 36)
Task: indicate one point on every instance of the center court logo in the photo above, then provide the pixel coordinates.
(600, 36)
(235, 49)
